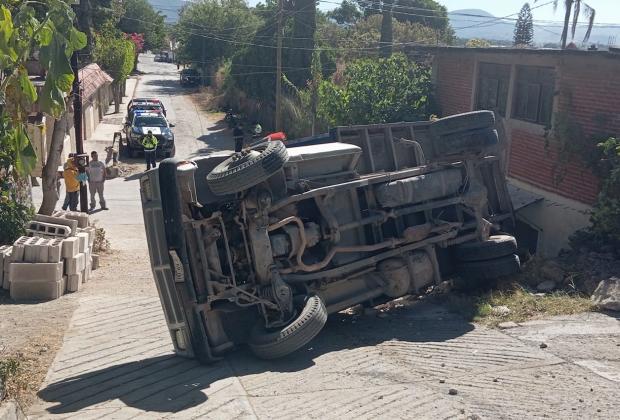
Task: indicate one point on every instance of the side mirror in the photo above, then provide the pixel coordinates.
(171, 125)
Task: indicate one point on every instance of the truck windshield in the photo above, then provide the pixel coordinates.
(150, 122)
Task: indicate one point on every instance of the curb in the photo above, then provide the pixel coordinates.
(10, 410)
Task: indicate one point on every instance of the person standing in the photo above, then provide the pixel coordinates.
(257, 130)
(96, 179)
(238, 136)
(149, 142)
(72, 184)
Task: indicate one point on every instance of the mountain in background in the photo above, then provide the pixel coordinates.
(477, 23)
(168, 8)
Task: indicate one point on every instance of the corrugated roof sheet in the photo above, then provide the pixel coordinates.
(92, 78)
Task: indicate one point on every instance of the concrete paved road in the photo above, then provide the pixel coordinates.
(116, 361)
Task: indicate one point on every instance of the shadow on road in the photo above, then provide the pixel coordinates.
(171, 384)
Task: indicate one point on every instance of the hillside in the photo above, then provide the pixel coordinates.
(502, 29)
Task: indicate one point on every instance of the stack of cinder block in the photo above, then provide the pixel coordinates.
(55, 258)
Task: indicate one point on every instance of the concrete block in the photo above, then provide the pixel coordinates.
(76, 264)
(18, 248)
(94, 261)
(54, 250)
(91, 235)
(70, 247)
(25, 272)
(72, 224)
(5, 262)
(81, 218)
(83, 238)
(31, 250)
(37, 290)
(86, 275)
(49, 229)
(42, 248)
(74, 282)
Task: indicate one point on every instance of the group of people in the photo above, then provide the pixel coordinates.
(94, 174)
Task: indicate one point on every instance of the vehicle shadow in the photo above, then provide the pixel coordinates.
(165, 86)
(170, 384)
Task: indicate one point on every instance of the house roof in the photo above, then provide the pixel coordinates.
(612, 53)
(92, 78)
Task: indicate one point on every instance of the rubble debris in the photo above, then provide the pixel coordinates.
(543, 346)
(553, 271)
(502, 310)
(452, 391)
(607, 294)
(506, 325)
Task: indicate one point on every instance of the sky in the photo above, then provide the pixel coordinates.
(607, 11)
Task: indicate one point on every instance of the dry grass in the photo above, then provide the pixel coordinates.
(522, 304)
(23, 372)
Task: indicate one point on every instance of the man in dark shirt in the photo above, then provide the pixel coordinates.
(238, 136)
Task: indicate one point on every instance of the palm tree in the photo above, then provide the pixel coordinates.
(575, 7)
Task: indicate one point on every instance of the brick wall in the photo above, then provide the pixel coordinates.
(454, 78)
(588, 88)
(530, 162)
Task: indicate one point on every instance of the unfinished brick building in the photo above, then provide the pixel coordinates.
(531, 92)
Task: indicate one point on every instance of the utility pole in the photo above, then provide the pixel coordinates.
(77, 121)
(278, 124)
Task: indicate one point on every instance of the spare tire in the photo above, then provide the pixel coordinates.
(274, 344)
(495, 247)
(247, 168)
(463, 122)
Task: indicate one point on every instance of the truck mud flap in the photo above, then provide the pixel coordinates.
(171, 209)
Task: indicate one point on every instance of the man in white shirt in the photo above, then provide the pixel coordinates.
(96, 179)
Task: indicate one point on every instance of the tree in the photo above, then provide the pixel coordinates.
(346, 14)
(575, 8)
(387, 34)
(24, 29)
(524, 28)
(140, 17)
(477, 43)
(301, 44)
(116, 55)
(377, 91)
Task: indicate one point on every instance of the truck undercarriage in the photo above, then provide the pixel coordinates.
(259, 246)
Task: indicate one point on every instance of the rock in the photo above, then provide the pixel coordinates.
(500, 310)
(507, 324)
(607, 294)
(546, 286)
(452, 391)
(552, 270)
(543, 345)
(442, 381)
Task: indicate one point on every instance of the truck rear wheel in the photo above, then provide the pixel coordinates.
(267, 344)
(247, 168)
(495, 247)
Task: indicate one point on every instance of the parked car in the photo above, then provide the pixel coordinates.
(259, 247)
(189, 77)
(143, 122)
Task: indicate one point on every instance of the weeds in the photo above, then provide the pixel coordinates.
(522, 305)
(10, 371)
(101, 244)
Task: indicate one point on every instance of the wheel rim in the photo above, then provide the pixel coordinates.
(240, 158)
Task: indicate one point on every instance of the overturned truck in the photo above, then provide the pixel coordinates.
(259, 246)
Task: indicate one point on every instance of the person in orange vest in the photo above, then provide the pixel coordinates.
(72, 184)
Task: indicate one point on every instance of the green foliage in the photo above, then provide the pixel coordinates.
(217, 27)
(140, 17)
(477, 43)
(346, 14)
(524, 27)
(116, 55)
(13, 217)
(24, 30)
(605, 217)
(377, 91)
(427, 13)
